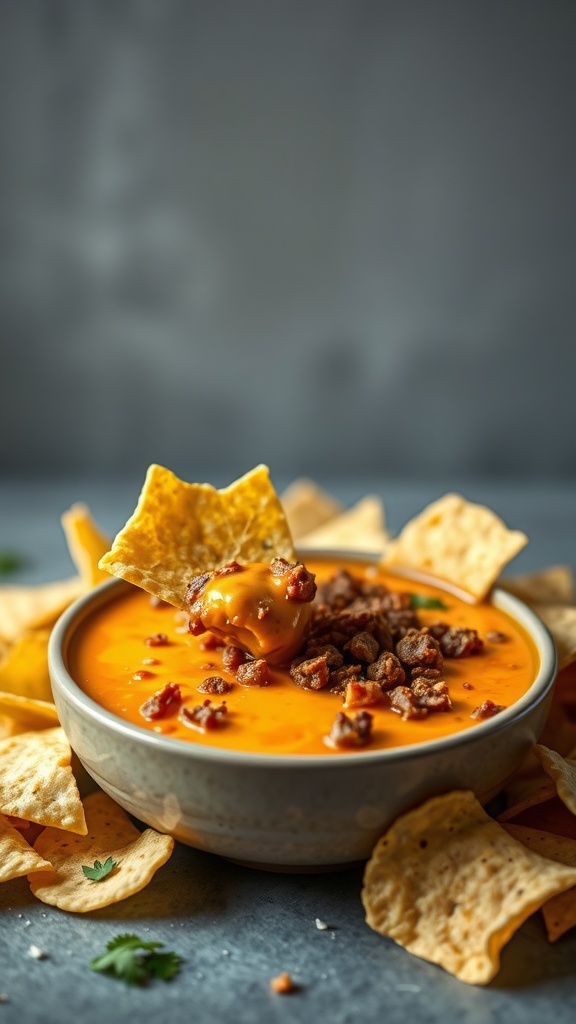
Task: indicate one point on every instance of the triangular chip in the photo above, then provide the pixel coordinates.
(36, 780)
(360, 528)
(450, 885)
(561, 621)
(25, 668)
(24, 714)
(180, 529)
(554, 585)
(454, 540)
(17, 858)
(563, 772)
(138, 855)
(307, 507)
(559, 912)
(86, 543)
(28, 608)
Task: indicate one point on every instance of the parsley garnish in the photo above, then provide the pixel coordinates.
(420, 601)
(10, 561)
(99, 871)
(135, 962)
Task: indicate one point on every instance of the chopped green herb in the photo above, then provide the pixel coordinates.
(99, 871)
(420, 601)
(135, 962)
(10, 561)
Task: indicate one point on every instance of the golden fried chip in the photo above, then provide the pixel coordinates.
(562, 770)
(25, 668)
(24, 714)
(180, 529)
(16, 856)
(29, 608)
(86, 543)
(561, 621)
(36, 780)
(449, 884)
(138, 855)
(559, 912)
(360, 528)
(524, 791)
(554, 585)
(307, 507)
(456, 541)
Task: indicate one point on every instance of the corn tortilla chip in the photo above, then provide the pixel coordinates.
(562, 770)
(559, 912)
(180, 529)
(360, 528)
(450, 885)
(36, 780)
(561, 621)
(29, 608)
(554, 585)
(25, 669)
(454, 540)
(86, 543)
(307, 507)
(138, 856)
(24, 714)
(17, 858)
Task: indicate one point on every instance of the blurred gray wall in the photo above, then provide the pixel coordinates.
(333, 235)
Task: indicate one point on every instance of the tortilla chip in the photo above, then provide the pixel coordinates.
(559, 732)
(526, 790)
(29, 608)
(554, 585)
(25, 669)
(450, 885)
(17, 858)
(180, 529)
(36, 780)
(138, 856)
(562, 770)
(559, 912)
(360, 528)
(86, 543)
(454, 540)
(307, 507)
(561, 621)
(24, 714)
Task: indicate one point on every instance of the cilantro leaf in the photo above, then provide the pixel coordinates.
(135, 962)
(99, 871)
(10, 561)
(420, 601)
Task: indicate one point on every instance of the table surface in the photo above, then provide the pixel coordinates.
(235, 927)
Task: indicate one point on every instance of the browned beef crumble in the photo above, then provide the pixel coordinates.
(157, 640)
(433, 696)
(363, 647)
(164, 700)
(311, 673)
(419, 648)
(301, 583)
(387, 670)
(360, 693)
(228, 569)
(333, 657)
(204, 716)
(232, 657)
(253, 673)
(403, 700)
(487, 709)
(350, 731)
(340, 677)
(494, 636)
(215, 684)
(456, 641)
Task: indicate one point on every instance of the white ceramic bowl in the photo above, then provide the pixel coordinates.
(288, 811)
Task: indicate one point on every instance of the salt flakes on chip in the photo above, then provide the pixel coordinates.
(451, 886)
(138, 855)
(360, 528)
(17, 858)
(179, 529)
(36, 780)
(86, 543)
(454, 540)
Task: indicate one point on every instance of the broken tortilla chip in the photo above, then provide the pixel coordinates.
(24, 670)
(562, 770)
(86, 543)
(180, 529)
(450, 885)
(454, 540)
(360, 528)
(559, 912)
(561, 621)
(554, 585)
(307, 507)
(36, 780)
(29, 608)
(138, 855)
(17, 858)
(24, 714)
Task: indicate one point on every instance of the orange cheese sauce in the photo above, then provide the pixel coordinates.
(108, 651)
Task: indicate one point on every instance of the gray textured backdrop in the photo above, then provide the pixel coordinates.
(334, 235)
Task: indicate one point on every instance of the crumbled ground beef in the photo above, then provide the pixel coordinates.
(163, 701)
(301, 583)
(363, 647)
(433, 696)
(339, 591)
(400, 621)
(487, 709)
(215, 684)
(419, 648)
(253, 673)
(196, 586)
(204, 716)
(157, 640)
(350, 731)
(387, 671)
(359, 693)
(425, 673)
(456, 641)
(340, 677)
(228, 569)
(404, 701)
(232, 657)
(311, 673)
(494, 636)
(333, 657)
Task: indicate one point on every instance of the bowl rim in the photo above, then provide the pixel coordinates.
(67, 689)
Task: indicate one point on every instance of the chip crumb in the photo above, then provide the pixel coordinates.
(37, 953)
(282, 984)
(321, 925)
